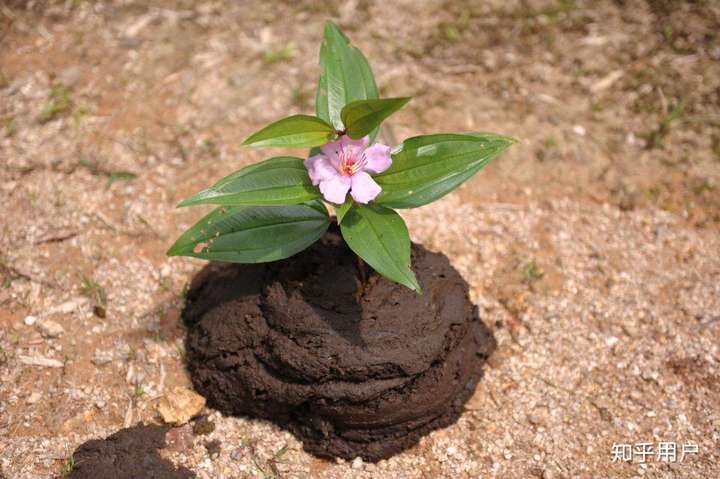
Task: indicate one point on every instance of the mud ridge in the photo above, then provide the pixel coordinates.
(349, 374)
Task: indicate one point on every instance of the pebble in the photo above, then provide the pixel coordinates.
(179, 439)
(180, 405)
(34, 398)
(213, 448)
(357, 463)
(134, 377)
(165, 271)
(50, 329)
(102, 357)
(68, 306)
(30, 320)
(203, 425)
(534, 419)
(40, 361)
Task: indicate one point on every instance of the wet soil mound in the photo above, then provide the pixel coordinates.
(128, 454)
(351, 373)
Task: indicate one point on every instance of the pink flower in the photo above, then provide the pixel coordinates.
(343, 166)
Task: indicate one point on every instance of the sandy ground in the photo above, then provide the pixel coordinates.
(591, 247)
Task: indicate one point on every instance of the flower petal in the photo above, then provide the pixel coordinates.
(364, 188)
(355, 147)
(378, 158)
(361, 143)
(331, 150)
(335, 189)
(319, 169)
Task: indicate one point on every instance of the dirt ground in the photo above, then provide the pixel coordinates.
(591, 246)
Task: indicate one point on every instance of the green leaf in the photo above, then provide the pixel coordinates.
(379, 236)
(253, 234)
(341, 210)
(294, 131)
(282, 180)
(345, 76)
(426, 168)
(363, 116)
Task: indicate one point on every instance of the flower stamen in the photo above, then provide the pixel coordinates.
(349, 163)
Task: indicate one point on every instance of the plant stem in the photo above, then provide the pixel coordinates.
(361, 270)
(362, 276)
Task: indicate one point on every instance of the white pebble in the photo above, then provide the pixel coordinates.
(51, 329)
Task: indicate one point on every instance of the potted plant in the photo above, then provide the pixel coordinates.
(337, 328)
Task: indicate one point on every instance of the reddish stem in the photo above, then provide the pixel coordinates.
(361, 270)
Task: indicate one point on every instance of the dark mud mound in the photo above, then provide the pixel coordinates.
(130, 453)
(351, 373)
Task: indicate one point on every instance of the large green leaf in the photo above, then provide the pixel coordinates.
(340, 210)
(363, 116)
(282, 180)
(345, 76)
(253, 234)
(379, 236)
(294, 131)
(425, 168)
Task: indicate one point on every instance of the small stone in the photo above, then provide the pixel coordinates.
(34, 398)
(100, 404)
(203, 425)
(50, 329)
(534, 419)
(179, 439)
(357, 463)
(134, 377)
(165, 271)
(236, 455)
(102, 357)
(213, 447)
(180, 405)
(40, 361)
(68, 306)
(30, 320)
(536, 471)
